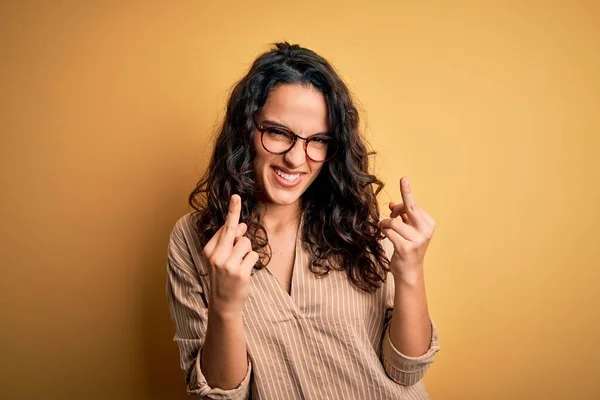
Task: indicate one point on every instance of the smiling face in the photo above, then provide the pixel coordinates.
(302, 110)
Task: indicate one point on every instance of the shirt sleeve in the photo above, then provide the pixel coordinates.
(189, 312)
(402, 369)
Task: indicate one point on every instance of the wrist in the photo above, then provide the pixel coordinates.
(410, 279)
(224, 316)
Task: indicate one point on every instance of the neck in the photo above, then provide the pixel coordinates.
(279, 218)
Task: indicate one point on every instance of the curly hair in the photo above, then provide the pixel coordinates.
(340, 211)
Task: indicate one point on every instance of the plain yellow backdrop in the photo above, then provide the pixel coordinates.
(491, 108)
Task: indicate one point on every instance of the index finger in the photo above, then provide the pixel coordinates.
(212, 243)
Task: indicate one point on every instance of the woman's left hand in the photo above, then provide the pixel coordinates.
(410, 235)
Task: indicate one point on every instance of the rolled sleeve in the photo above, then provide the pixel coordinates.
(197, 385)
(403, 369)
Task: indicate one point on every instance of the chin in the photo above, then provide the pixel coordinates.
(283, 199)
(283, 196)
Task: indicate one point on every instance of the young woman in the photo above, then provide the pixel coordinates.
(285, 282)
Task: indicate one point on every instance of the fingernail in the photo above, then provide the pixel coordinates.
(234, 199)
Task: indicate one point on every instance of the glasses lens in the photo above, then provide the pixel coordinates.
(277, 140)
(320, 148)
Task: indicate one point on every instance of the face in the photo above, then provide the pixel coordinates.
(302, 110)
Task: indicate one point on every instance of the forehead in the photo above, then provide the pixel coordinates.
(303, 109)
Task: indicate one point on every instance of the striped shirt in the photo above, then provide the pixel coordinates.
(325, 340)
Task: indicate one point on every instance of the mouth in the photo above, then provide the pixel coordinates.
(285, 179)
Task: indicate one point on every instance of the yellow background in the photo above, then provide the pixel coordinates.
(491, 108)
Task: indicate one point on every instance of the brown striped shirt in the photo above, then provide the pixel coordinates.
(325, 340)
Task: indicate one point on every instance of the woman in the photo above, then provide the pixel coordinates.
(285, 283)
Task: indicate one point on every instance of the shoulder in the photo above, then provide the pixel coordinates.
(183, 233)
(184, 226)
(184, 243)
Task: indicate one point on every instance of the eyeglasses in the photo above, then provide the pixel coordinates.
(280, 140)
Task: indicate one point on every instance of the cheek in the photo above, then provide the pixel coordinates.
(259, 154)
(261, 161)
(316, 170)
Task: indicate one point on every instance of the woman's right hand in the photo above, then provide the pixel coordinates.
(231, 260)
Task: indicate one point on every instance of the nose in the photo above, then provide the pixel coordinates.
(296, 156)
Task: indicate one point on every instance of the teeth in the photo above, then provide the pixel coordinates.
(287, 177)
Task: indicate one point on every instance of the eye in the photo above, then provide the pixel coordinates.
(276, 132)
(321, 140)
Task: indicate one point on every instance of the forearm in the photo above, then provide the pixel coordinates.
(410, 330)
(224, 356)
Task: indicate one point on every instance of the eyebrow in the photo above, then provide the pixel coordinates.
(280, 125)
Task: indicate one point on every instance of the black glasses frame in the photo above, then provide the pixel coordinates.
(262, 129)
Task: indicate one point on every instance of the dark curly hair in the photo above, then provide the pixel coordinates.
(340, 211)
